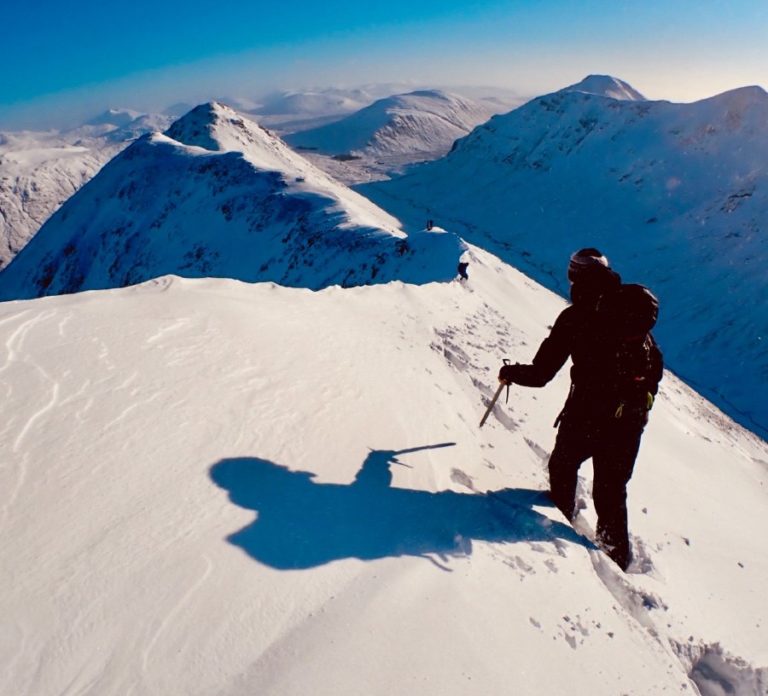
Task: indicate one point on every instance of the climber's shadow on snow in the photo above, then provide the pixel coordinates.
(301, 523)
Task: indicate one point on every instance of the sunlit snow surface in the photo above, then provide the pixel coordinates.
(195, 498)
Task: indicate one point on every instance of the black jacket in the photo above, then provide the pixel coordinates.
(606, 372)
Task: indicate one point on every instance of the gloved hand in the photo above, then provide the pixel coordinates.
(507, 374)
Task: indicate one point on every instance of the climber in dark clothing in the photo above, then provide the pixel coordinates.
(614, 378)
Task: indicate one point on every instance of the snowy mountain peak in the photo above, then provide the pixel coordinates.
(606, 86)
(434, 93)
(434, 100)
(423, 124)
(219, 128)
(198, 127)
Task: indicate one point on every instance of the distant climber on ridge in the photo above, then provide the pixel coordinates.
(616, 370)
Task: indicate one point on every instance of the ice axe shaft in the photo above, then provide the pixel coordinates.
(493, 403)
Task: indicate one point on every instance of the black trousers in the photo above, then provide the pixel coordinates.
(612, 443)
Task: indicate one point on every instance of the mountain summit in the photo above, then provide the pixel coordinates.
(217, 195)
(606, 86)
(425, 122)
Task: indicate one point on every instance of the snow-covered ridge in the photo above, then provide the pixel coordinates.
(218, 195)
(213, 487)
(675, 194)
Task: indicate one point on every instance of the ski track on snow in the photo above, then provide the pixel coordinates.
(130, 408)
(16, 339)
(54, 397)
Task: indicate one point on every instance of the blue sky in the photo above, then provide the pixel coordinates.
(71, 59)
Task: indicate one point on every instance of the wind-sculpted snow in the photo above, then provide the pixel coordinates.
(220, 196)
(676, 195)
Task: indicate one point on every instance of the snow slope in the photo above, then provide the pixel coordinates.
(41, 170)
(392, 133)
(211, 487)
(217, 195)
(675, 194)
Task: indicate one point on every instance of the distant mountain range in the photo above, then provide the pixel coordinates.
(41, 170)
(675, 194)
(218, 195)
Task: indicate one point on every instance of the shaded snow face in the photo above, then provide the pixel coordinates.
(676, 195)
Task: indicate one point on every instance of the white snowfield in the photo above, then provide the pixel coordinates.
(210, 487)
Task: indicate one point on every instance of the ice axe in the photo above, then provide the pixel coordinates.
(495, 398)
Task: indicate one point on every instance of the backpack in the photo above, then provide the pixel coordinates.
(635, 363)
(630, 311)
